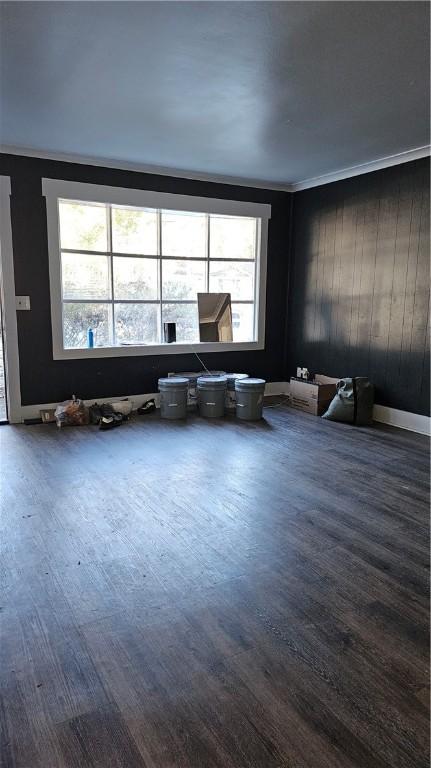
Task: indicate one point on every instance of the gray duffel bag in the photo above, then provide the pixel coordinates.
(353, 403)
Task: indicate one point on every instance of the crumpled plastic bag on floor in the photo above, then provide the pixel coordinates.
(72, 413)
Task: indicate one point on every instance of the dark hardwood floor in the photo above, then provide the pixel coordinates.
(214, 594)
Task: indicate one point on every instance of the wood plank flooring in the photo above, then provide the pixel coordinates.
(214, 595)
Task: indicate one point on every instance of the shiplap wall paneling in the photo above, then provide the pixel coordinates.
(359, 288)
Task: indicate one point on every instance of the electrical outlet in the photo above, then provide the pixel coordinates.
(22, 302)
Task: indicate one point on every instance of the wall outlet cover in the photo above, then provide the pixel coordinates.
(22, 302)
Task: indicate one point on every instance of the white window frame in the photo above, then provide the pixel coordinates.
(55, 190)
(7, 288)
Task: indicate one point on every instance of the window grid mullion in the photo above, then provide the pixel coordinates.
(208, 252)
(226, 260)
(111, 271)
(83, 252)
(143, 301)
(206, 259)
(159, 247)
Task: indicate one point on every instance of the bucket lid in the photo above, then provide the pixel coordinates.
(250, 384)
(211, 374)
(191, 376)
(232, 377)
(212, 382)
(173, 381)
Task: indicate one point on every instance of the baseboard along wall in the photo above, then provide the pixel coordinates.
(414, 422)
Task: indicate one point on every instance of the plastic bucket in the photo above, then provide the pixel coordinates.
(173, 397)
(205, 374)
(230, 403)
(249, 398)
(192, 378)
(211, 396)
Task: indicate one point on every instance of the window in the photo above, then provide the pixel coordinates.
(124, 269)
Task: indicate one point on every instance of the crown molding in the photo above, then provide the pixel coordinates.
(104, 162)
(316, 181)
(358, 170)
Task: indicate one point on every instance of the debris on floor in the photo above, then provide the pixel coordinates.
(72, 413)
(147, 407)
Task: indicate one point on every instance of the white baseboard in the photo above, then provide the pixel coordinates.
(401, 419)
(33, 411)
(414, 422)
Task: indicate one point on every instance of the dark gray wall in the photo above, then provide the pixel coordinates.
(46, 380)
(359, 283)
(356, 259)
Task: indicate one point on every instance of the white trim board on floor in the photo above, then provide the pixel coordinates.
(413, 422)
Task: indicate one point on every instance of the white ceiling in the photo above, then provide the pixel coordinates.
(274, 92)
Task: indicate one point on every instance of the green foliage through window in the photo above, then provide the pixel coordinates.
(126, 270)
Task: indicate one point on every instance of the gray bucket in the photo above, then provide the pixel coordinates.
(173, 397)
(230, 403)
(192, 378)
(212, 374)
(211, 396)
(249, 398)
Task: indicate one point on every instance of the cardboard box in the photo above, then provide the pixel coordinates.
(312, 396)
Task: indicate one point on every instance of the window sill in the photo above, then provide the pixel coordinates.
(158, 349)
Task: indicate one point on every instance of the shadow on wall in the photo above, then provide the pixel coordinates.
(359, 288)
(343, 338)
